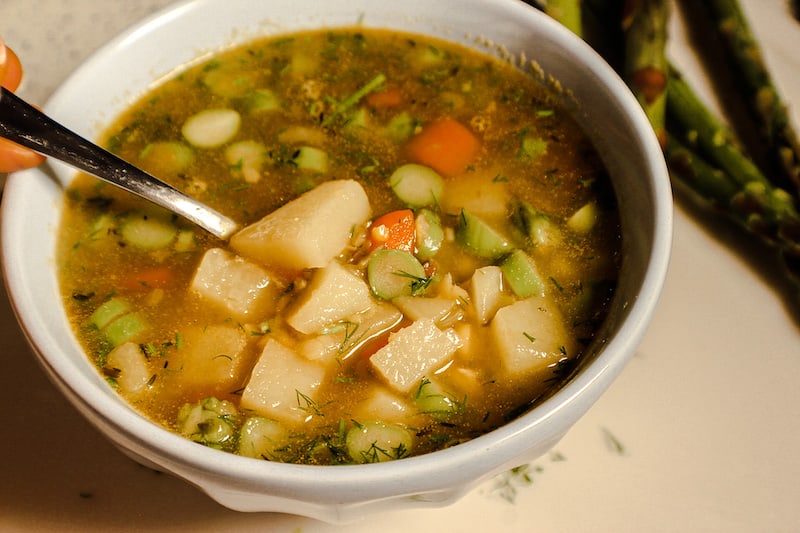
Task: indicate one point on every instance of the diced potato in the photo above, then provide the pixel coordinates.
(283, 385)
(210, 358)
(530, 336)
(383, 404)
(128, 365)
(333, 294)
(486, 292)
(480, 193)
(323, 347)
(414, 352)
(340, 341)
(243, 289)
(416, 307)
(309, 231)
(466, 381)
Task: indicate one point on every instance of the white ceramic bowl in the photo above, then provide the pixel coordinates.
(130, 64)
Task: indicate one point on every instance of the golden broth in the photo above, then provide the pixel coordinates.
(353, 106)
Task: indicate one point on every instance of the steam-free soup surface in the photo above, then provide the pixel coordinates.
(430, 244)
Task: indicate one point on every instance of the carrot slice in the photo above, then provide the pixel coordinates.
(391, 96)
(394, 230)
(151, 278)
(445, 145)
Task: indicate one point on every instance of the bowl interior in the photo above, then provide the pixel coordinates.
(132, 63)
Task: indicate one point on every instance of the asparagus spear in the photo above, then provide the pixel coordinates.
(761, 94)
(698, 127)
(737, 188)
(567, 12)
(644, 23)
(761, 209)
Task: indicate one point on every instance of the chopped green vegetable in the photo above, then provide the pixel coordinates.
(108, 311)
(417, 185)
(401, 127)
(375, 442)
(373, 85)
(536, 226)
(311, 159)
(584, 219)
(432, 399)
(261, 438)
(210, 421)
(124, 328)
(211, 127)
(261, 100)
(392, 273)
(148, 231)
(429, 234)
(532, 148)
(522, 275)
(480, 238)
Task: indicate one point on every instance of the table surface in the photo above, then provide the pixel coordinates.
(701, 431)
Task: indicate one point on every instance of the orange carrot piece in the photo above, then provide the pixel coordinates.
(394, 230)
(391, 96)
(445, 145)
(151, 278)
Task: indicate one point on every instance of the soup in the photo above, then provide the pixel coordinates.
(430, 244)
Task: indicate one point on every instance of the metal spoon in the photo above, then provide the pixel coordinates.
(24, 124)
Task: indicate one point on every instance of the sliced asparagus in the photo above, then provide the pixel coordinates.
(766, 105)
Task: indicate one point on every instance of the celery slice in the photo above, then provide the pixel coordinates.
(108, 311)
(375, 442)
(430, 234)
(522, 275)
(417, 185)
(480, 238)
(392, 273)
(148, 231)
(124, 328)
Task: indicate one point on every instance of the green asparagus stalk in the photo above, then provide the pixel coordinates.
(761, 209)
(567, 12)
(749, 198)
(700, 129)
(761, 94)
(645, 65)
(701, 151)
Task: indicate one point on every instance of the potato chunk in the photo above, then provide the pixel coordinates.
(486, 291)
(341, 340)
(530, 335)
(283, 385)
(128, 365)
(309, 231)
(413, 352)
(416, 307)
(243, 289)
(210, 358)
(333, 294)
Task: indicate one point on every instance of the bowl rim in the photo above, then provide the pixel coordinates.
(180, 454)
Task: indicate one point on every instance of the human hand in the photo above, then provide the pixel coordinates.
(13, 157)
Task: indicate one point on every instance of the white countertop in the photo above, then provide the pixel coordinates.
(700, 433)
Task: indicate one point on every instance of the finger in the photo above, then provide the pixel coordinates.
(12, 76)
(14, 157)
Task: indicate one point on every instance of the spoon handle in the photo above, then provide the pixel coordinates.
(24, 124)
